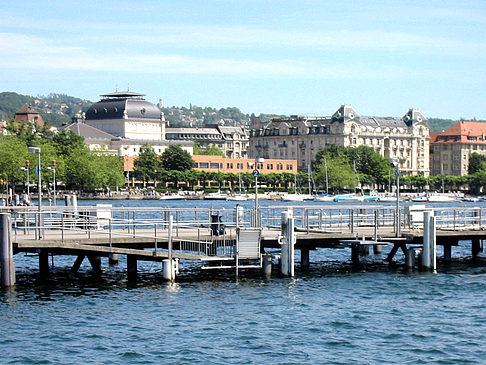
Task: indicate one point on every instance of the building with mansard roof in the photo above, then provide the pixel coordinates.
(127, 115)
(233, 141)
(300, 138)
(450, 150)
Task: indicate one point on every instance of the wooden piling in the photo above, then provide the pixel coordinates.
(131, 267)
(267, 264)
(304, 259)
(43, 262)
(7, 272)
(477, 247)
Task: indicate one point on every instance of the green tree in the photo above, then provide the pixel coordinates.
(340, 174)
(476, 163)
(67, 141)
(175, 158)
(13, 154)
(210, 150)
(146, 165)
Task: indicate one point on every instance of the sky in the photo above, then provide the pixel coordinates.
(263, 56)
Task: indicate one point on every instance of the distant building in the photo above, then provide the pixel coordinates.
(30, 114)
(300, 138)
(238, 165)
(121, 123)
(450, 150)
(233, 141)
(127, 115)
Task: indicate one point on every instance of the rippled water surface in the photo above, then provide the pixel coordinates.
(331, 314)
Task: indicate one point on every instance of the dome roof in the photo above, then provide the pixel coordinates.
(123, 105)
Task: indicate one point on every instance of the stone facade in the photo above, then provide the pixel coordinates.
(300, 138)
(450, 149)
(233, 141)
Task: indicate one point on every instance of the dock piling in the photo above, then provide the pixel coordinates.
(288, 242)
(267, 264)
(304, 259)
(6, 252)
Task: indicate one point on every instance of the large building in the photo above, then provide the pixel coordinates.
(450, 149)
(233, 141)
(30, 114)
(300, 138)
(127, 115)
(121, 123)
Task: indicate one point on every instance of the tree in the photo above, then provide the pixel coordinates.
(13, 154)
(146, 165)
(476, 163)
(175, 158)
(210, 150)
(340, 174)
(67, 141)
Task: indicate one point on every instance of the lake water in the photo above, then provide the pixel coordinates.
(331, 314)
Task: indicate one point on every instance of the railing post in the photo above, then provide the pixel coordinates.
(155, 237)
(287, 250)
(110, 233)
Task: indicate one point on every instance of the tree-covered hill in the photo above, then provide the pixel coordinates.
(438, 125)
(54, 108)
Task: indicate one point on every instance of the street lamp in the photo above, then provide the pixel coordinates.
(256, 173)
(53, 169)
(39, 186)
(395, 163)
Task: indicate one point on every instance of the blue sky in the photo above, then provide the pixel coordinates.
(287, 57)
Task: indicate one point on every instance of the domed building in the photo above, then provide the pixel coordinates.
(127, 115)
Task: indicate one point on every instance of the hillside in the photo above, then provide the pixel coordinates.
(54, 108)
(59, 109)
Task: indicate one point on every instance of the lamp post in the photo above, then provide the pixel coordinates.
(39, 185)
(53, 169)
(256, 173)
(395, 163)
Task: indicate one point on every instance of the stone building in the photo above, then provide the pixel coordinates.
(127, 115)
(300, 138)
(233, 141)
(450, 149)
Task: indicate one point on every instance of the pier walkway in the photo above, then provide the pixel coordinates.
(212, 236)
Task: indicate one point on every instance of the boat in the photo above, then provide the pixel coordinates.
(240, 196)
(420, 199)
(347, 198)
(370, 198)
(172, 197)
(324, 198)
(438, 198)
(293, 197)
(237, 197)
(215, 196)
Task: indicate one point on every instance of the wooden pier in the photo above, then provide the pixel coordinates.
(221, 238)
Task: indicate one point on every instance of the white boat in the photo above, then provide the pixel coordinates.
(440, 198)
(171, 197)
(324, 198)
(293, 197)
(347, 198)
(237, 197)
(215, 196)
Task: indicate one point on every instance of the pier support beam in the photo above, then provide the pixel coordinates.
(77, 263)
(169, 269)
(410, 259)
(288, 244)
(131, 267)
(267, 264)
(95, 262)
(43, 263)
(377, 249)
(477, 247)
(447, 253)
(355, 255)
(304, 259)
(364, 250)
(113, 259)
(7, 266)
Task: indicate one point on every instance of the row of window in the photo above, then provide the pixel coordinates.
(240, 166)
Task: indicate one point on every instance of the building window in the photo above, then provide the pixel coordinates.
(214, 165)
(203, 165)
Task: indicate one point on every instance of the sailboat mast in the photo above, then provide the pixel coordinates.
(327, 182)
